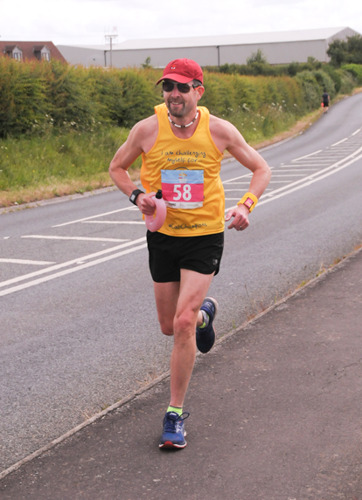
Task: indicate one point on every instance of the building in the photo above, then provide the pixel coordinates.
(30, 51)
(277, 47)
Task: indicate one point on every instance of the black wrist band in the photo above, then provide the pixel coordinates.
(134, 196)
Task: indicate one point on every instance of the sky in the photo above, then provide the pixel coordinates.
(87, 22)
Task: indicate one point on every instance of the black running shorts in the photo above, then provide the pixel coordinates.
(169, 254)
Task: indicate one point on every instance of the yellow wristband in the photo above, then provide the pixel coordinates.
(249, 200)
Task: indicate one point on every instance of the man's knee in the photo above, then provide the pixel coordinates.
(166, 327)
(185, 323)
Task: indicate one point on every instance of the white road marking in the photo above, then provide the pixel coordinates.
(26, 262)
(95, 216)
(69, 271)
(100, 257)
(340, 142)
(278, 182)
(231, 181)
(310, 180)
(75, 238)
(132, 222)
(307, 156)
(69, 263)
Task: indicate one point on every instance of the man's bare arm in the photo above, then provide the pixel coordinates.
(140, 139)
(227, 137)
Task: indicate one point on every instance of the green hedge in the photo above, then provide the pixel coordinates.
(38, 97)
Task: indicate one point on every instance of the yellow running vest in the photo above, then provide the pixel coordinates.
(188, 172)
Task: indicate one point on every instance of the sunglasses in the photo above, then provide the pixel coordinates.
(183, 88)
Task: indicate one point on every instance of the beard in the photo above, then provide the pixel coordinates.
(176, 108)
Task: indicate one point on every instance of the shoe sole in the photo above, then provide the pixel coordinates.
(168, 445)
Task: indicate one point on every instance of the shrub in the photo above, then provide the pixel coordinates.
(311, 89)
(355, 70)
(70, 94)
(23, 99)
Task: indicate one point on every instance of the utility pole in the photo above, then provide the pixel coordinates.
(110, 38)
(218, 55)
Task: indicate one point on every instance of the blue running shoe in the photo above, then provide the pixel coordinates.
(205, 337)
(174, 433)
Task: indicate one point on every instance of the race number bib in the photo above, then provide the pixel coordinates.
(183, 188)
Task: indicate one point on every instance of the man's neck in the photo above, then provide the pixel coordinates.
(185, 127)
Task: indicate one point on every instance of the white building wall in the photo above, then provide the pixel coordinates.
(82, 56)
(226, 49)
(275, 53)
(160, 57)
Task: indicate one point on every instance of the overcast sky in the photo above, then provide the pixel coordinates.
(86, 22)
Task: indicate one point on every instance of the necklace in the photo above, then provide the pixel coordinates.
(183, 126)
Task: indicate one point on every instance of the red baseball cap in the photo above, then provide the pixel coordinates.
(182, 71)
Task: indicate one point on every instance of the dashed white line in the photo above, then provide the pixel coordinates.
(296, 169)
(75, 238)
(71, 262)
(113, 222)
(307, 156)
(95, 216)
(69, 271)
(27, 262)
(340, 142)
(287, 175)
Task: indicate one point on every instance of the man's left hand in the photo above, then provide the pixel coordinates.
(241, 217)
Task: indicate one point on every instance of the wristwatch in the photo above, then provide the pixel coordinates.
(134, 196)
(249, 200)
(249, 203)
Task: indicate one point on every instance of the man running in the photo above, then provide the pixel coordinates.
(182, 147)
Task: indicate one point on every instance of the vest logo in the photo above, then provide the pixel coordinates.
(182, 176)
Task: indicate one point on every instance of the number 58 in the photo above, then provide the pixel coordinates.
(182, 192)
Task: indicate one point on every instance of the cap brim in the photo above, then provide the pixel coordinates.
(175, 78)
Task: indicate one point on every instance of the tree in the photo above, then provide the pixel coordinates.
(355, 49)
(346, 51)
(257, 57)
(147, 63)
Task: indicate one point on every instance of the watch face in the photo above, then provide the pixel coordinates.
(248, 202)
(134, 196)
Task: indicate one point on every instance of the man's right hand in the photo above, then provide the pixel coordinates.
(146, 203)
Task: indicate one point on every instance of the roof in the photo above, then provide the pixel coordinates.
(28, 49)
(237, 39)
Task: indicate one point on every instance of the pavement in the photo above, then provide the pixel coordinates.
(276, 413)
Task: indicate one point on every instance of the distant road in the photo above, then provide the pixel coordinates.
(78, 324)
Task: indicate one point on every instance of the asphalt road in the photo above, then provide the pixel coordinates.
(274, 415)
(78, 324)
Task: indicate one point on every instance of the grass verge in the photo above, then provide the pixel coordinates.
(41, 168)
